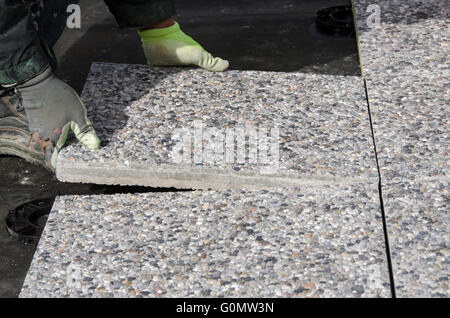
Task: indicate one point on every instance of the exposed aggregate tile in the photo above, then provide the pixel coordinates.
(323, 123)
(288, 242)
(322, 241)
(419, 233)
(411, 126)
(405, 62)
(412, 38)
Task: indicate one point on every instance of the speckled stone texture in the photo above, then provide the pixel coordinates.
(324, 132)
(322, 236)
(412, 37)
(411, 125)
(312, 241)
(405, 62)
(410, 118)
(419, 232)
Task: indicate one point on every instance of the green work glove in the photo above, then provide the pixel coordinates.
(53, 109)
(172, 47)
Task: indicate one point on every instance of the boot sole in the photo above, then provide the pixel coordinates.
(9, 148)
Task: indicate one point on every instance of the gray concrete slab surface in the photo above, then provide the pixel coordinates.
(419, 227)
(311, 241)
(314, 129)
(403, 38)
(405, 62)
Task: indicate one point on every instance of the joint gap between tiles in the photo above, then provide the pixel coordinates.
(380, 194)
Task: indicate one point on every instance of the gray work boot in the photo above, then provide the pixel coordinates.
(15, 135)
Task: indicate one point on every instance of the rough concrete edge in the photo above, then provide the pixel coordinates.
(190, 178)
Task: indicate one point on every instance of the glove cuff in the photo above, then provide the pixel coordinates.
(46, 73)
(152, 34)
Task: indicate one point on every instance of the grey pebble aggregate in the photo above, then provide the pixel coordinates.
(411, 125)
(412, 37)
(419, 232)
(323, 124)
(308, 241)
(312, 241)
(405, 62)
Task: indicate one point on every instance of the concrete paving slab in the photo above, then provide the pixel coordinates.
(411, 126)
(311, 241)
(404, 48)
(405, 62)
(170, 127)
(403, 38)
(419, 227)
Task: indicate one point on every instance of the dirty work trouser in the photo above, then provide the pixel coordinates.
(30, 28)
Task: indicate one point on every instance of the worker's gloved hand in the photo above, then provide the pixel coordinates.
(53, 109)
(172, 47)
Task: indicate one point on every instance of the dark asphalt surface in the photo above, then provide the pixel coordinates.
(277, 35)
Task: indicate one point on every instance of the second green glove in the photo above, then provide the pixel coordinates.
(172, 47)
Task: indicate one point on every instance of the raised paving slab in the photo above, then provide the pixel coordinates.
(311, 241)
(318, 125)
